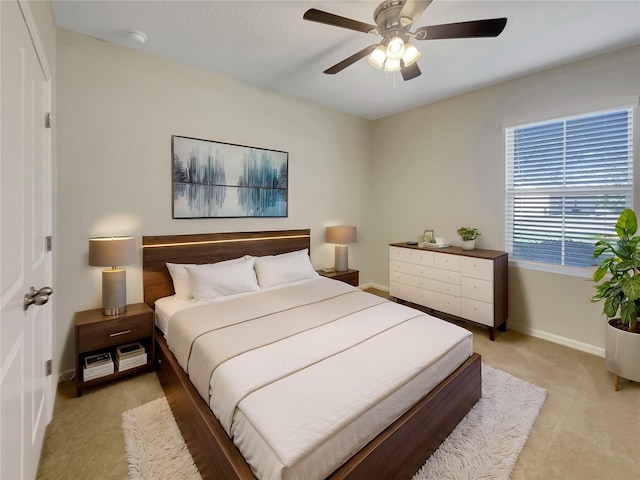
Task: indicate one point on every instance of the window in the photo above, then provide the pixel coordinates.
(567, 180)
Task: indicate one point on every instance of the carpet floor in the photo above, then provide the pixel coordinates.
(485, 445)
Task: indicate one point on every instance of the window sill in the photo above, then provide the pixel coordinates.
(584, 272)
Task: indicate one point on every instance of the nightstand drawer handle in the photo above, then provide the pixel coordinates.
(119, 333)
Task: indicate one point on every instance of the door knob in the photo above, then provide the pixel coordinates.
(37, 297)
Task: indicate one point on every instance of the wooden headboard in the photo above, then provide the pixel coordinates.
(208, 248)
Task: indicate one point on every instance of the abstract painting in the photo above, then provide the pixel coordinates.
(221, 180)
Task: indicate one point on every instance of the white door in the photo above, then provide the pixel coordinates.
(26, 392)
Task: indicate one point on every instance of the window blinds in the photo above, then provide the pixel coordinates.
(567, 180)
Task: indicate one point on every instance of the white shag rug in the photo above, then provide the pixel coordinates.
(154, 446)
(485, 444)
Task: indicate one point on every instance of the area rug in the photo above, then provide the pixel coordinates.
(485, 444)
(154, 446)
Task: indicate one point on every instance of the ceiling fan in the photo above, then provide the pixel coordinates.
(394, 19)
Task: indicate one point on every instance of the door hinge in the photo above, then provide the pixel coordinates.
(48, 243)
(47, 367)
(47, 120)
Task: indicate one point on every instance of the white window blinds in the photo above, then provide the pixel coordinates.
(567, 181)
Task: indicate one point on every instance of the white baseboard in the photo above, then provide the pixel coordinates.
(567, 342)
(374, 285)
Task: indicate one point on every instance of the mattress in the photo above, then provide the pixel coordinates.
(302, 377)
(165, 307)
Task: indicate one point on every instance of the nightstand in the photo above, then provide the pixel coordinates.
(97, 333)
(352, 277)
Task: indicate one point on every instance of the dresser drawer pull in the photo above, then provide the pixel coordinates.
(119, 333)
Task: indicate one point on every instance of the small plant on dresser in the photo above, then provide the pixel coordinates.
(468, 236)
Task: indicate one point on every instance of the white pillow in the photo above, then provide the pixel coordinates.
(180, 277)
(285, 268)
(215, 280)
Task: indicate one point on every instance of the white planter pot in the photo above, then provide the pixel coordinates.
(622, 356)
(468, 244)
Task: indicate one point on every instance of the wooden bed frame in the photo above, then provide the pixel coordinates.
(398, 452)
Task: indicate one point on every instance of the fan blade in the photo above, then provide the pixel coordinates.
(351, 60)
(410, 72)
(319, 16)
(476, 28)
(414, 8)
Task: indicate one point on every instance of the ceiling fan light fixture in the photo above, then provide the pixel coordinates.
(395, 48)
(392, 65)
(377, 57)
(411, 54)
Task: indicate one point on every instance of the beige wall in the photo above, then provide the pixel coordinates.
(442, 166)
(439, 167)
(117, 110)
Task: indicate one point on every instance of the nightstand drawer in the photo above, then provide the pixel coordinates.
(352, 278)
(114, 332)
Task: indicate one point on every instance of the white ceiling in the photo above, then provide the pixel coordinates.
(267, 43)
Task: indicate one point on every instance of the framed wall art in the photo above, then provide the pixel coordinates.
(222, 180)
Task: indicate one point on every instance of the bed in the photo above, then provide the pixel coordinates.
(396, 452)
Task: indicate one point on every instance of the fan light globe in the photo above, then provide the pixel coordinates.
(395, 48)
(377, 57)
(411, 54)
(391, 65)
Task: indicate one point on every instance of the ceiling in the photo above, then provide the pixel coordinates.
(266, 43)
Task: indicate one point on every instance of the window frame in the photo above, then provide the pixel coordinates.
(629, 190)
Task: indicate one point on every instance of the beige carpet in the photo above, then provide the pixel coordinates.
(485, 445)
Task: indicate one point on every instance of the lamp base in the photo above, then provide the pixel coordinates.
(108, 312)
(114, 291)
(342, 258)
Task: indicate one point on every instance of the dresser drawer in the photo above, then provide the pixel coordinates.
(477, 289)
(421, 271)
(399, 277)
(401, 254)
(446, 262)
(397, 266)
(477, 268)
(423, 297)
(477, 311)
(436, 286)
(114, 332)
(445, 303)
(422, 258)
(400, 290)
(444, 275)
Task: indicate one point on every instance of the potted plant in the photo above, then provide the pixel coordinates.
(621, 293)
(468, 236)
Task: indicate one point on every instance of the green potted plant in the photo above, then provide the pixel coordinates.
(468, 236)
(620, 291)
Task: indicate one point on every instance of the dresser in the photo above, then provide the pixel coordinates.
(466, 284)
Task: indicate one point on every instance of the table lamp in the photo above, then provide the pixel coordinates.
(341, 235)
(111, 252)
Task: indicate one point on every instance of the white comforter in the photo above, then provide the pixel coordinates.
(297, 375)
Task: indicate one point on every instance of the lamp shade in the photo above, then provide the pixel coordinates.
(341, 234)
(378, 56)
(395, 49)
(112, 251)
(411, 54)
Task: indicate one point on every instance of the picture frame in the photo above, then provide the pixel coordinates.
(211, 179)
(429, 236)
